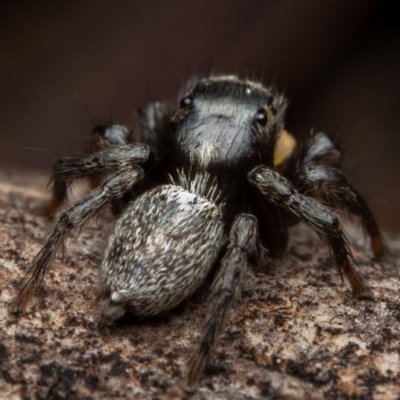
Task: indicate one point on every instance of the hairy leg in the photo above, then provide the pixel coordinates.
(319, 174)
(280, 192)
(331, 185)
(103, 137)
(224, 291)
(73, 217)
(153, 118)
(96, 165)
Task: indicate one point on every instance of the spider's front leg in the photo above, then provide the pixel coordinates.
(319, 174)
(119, 165)
(224, 291)
(281, 193)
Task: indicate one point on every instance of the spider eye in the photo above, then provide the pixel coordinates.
(186, 102)
(261, 117)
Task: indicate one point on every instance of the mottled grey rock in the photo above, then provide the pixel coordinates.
(296, 333)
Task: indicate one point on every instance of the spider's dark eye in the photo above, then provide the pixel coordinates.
(186, 102)
(261, 117)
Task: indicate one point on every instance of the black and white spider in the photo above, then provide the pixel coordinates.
(217, 182)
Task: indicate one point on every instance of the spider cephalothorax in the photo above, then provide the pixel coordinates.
(226, 127)
(217, 182)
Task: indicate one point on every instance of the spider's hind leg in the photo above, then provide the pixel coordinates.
(319, 174)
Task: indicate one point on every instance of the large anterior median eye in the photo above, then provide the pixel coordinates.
(186, 102)
(261, 117)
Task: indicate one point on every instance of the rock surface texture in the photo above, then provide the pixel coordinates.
(296, 333)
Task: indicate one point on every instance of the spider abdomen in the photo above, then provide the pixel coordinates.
(160, 252)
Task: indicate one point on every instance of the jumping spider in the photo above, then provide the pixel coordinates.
(216, 182)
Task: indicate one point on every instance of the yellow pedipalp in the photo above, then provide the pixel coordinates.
(284, 147)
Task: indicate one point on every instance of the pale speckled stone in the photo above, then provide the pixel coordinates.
(296, 333)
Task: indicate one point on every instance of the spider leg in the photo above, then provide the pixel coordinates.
(319, 175)
(73, 217)
(280, 192)
(59, 196)
(152, 120)
(224, 291)
(331, 184)
(101, 164)
(102, 137)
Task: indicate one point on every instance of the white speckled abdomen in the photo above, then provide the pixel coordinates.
(160, 252)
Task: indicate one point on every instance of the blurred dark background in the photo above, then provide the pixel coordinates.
(338, 62)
